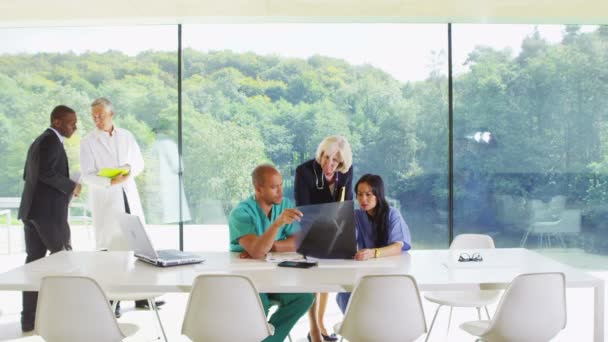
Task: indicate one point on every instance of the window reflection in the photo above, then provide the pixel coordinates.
(535, 91)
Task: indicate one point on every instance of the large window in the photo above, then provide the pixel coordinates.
(272, 92)
(530, 121)
(530, 137)
(43, 67)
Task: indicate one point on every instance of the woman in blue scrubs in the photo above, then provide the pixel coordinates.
(381, 230)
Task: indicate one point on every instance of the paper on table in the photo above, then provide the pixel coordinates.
(284, 256)
(111, 172)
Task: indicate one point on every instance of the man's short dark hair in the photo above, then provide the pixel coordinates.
(60, 112)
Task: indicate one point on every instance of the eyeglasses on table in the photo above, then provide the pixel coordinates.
(466, 257)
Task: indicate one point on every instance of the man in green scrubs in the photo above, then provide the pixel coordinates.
(263, 223)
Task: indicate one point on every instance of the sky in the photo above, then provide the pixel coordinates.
(403, 50)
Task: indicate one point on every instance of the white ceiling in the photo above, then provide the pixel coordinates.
(87, 12)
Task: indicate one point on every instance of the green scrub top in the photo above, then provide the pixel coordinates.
(248, 218)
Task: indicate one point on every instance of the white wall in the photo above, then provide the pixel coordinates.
(87, 12)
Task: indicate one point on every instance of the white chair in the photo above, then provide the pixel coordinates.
(116, 297)
(474, 299)
(74, 309)
(384, 308)
(551, 219)
(532, 309)
(569, 222)
(9, 220)
(225, 307)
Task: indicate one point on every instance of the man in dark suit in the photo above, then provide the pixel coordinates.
(45, 199)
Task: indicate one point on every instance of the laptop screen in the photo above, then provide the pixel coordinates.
(135, 232)
(327, 231)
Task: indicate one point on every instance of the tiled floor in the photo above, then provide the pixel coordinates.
(579, 328)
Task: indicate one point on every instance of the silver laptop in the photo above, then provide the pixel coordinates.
(141, 245)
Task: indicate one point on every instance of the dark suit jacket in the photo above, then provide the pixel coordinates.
(309, 177)
(48, 188)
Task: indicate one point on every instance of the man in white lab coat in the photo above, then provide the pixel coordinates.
(111, 147)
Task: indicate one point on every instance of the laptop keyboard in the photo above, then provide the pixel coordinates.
(169, 254)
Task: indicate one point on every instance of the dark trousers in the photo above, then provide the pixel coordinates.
(41, 237)
(342, 299)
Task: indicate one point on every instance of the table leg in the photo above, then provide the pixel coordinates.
(598, 317)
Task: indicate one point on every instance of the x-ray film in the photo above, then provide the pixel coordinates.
(327, 231)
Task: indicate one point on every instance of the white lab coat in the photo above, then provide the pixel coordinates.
(107, 200)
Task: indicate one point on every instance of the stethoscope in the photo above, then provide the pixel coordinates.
(322, 186)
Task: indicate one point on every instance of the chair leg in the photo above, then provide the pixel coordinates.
(152, 304)
(478, 313)
(487, 313)
(289, 337)
(114, 305)
(432, 323)
(449, 320)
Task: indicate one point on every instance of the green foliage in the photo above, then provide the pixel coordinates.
(546, 107)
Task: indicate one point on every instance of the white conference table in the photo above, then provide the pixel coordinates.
(433, 270)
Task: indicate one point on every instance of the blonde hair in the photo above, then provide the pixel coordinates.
(339, 143)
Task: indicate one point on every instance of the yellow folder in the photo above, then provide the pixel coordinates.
(111, 172)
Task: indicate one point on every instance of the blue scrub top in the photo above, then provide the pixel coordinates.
(248, 218)
(397, 230)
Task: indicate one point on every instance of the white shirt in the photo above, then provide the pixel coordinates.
(61, 137)
(110, 140)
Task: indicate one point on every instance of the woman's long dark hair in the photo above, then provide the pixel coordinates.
(380, 218)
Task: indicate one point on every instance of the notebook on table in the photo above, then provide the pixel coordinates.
(140, 243)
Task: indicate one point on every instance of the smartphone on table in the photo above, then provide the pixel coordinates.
(297, 264)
